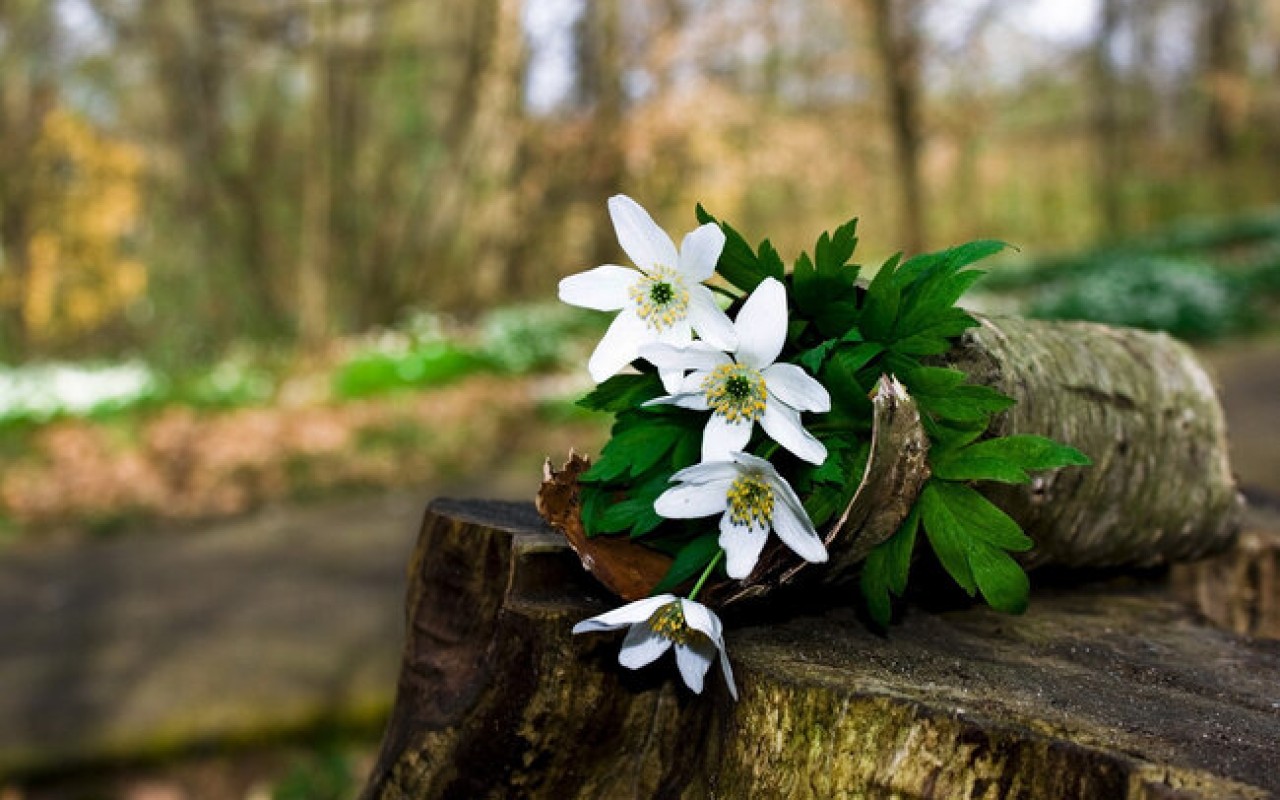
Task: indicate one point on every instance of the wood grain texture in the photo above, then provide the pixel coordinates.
(1100, 691)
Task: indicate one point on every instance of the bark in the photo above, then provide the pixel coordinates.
(1102, 692)
(1137, 403)
(898, 37)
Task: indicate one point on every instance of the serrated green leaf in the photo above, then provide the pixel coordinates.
(967, 403)
(634, 448)
(963, 466)
(977, 517)
(1029, 452)
(1001, 580)
(770, 261)
(692, 559)
(932, 380)
(946, 536)
(880, 307)
(874, 583)
(622, 392)
(813, 358)
(858, 356)
(738, 264)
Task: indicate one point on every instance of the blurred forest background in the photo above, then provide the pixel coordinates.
(232, 231)
(177, 176)
(261, 250)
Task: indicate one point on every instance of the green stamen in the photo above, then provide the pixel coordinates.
(736, 392)
(661, 299)
(668, 622)
(751, 502)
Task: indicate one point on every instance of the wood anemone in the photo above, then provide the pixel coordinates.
(1138, 403)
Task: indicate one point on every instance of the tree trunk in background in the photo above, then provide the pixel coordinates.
(27, 93)
(1103, 692)
(898, 35)
(317, 187)
(600, 81)
(1109, 154)
(1224, 76)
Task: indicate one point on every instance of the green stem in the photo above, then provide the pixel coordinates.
(723, 291)
(706, 573)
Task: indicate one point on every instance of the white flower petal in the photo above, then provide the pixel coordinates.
(692, 500)
(606, 288)
(796, 532)
(762, 324)
(619, 346)
(783, 492)
(700, 251)
(648, 245)
(642, 646)
(755, 464)
(694, 659)
(708, 471)
(696, 402)
(678, 333)
(637, 611)
(722, 437)
(703, 620)
(797, 388)
(742, 545)
(783, 426)
(728, 673)
(693, 356)
(709, 320)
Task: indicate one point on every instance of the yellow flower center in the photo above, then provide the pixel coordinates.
(736, 392)
(668, 622)
(661, 298)
(751, 501)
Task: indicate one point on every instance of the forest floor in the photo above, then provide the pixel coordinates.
(199, 662)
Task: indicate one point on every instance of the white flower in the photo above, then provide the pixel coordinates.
(657, 623)
(663, 301)
(745, 386)
(753, 499)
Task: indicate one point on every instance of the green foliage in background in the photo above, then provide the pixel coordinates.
(1199, 279)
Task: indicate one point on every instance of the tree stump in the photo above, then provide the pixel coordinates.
(1108, 690)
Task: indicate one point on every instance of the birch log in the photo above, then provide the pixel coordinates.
(1137, 403)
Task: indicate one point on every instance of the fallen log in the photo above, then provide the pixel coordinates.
(1102, 691)
(1138, 403)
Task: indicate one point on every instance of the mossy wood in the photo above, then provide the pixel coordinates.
(1097, 691)
(1160, 489)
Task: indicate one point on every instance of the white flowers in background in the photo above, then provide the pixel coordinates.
(753, 499)
(656, 624)
(743, 385)
(663, 301)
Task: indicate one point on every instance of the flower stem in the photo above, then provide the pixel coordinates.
(706, 573)
(723, 291)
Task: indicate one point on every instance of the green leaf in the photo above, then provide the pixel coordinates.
(886, 568)
(739, 265)
(855, 358)
(977, 517)
(1029, 452)
(967, 403)
(932, 380)
(812, 358)
(964, 466)
(770, 261)
(946, 535)
(1001, 580)
(690, 561)
(622, 392)
(635, 447)
(880, 307)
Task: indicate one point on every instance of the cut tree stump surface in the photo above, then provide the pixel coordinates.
(1106, 690)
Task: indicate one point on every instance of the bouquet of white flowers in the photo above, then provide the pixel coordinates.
(753, 396)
